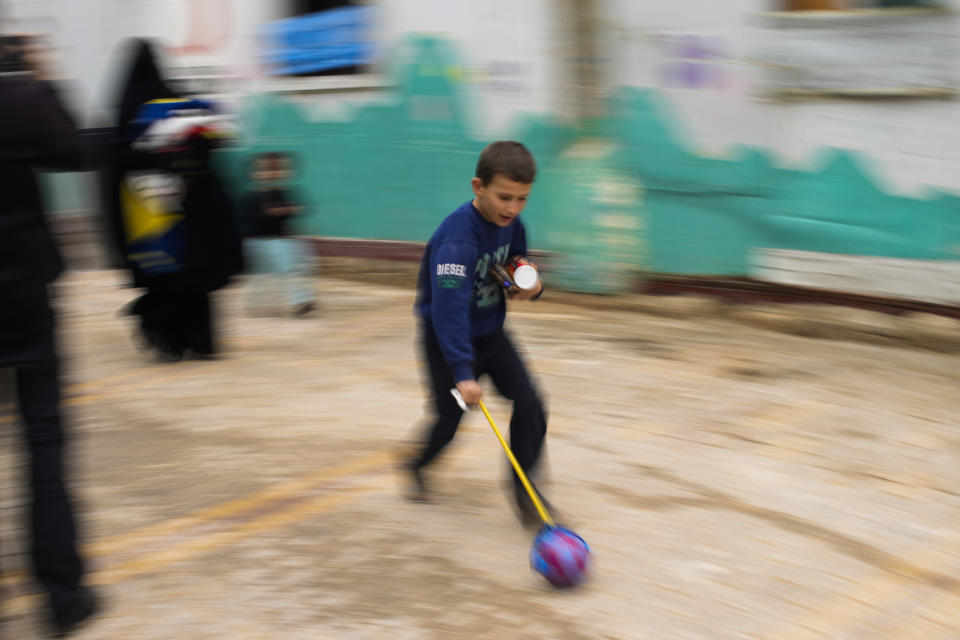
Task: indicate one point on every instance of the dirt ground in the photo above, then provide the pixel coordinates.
(734, 479)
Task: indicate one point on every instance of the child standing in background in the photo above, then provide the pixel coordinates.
(272, 252)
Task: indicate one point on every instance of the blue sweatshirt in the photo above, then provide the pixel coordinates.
(456, 296)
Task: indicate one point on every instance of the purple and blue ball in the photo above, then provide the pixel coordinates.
(560, 556)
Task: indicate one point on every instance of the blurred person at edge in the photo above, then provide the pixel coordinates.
(171, 218)
(36, 132)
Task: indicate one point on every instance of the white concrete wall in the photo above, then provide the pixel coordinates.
(74, 29)
(509, 51)
(911, 143)
(509, 48)
(936, 281)
(516, 58)
(195, 34)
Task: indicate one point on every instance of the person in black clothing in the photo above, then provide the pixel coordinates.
(199, 246)
(271, 250)
(37, 133)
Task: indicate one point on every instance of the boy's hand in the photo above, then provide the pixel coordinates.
(516, 293)
(470, 391)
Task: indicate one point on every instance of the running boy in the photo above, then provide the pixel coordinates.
(462, 308)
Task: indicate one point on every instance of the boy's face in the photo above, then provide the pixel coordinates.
(263, 170)
(282, 169)
(272, 170)
(501, 200)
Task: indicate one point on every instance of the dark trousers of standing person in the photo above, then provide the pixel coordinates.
(173, 321)
(495, 356)
(31, 351)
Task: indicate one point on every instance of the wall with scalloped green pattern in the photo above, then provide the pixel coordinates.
(616, 195)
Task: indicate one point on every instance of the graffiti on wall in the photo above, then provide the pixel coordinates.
(695, 62)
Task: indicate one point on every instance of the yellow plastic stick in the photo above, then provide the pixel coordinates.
(516, 467)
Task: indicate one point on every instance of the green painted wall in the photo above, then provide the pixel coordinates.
(390, 173)
(706, 214)
(396, 170)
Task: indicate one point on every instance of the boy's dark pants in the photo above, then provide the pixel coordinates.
(494, 355)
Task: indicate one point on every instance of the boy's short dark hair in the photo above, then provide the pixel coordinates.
(508, 158)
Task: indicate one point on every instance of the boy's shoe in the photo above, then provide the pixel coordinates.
(207, 355)
(84, 606)
(167, 351)
(417, 490)
(527, 512)
(303, 309)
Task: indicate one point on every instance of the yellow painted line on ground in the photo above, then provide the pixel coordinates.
(151, 562)
(124, 541)
(115, 544)
(191, 548)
